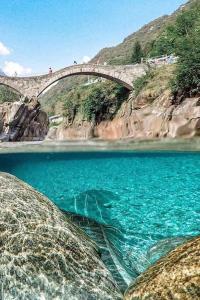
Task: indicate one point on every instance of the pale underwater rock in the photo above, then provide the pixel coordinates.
(43, 254)
(175, 276)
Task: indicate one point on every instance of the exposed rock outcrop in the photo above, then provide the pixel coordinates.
(43, 254)
(140, 119)
(22, 121)
(176, 276)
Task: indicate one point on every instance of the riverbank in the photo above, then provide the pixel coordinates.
(102, 145)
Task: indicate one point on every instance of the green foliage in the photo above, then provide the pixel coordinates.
(95, 103)
(71, 104)
(182, 39)
(164, 45)
(137, 53)
(176, 33)
(7, 94)
(188, 69)
(188, 49)
(142, 81)
(103, 102)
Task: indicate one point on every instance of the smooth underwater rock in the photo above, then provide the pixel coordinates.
(43, 254)
(174, 277)
(88, 211)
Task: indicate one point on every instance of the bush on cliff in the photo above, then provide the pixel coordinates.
(8, 95)
(142, 81)
(154, 83)
(187, 79)
(103, 102)
(96, 102)
(182, 38)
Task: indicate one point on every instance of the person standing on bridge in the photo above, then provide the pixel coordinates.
(50, 71)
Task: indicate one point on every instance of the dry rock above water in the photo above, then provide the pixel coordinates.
(138, 119)
(175, 276)
(43, 254)
(23, 121)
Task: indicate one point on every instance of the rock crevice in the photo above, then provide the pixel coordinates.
(23, 121)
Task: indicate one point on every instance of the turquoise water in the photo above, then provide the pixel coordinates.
(153, 197)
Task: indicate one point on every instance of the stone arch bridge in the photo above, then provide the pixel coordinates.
(34, 86)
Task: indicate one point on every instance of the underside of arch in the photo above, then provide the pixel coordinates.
(11, 87)
(109, 77)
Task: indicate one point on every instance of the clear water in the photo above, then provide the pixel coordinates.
(153, 196)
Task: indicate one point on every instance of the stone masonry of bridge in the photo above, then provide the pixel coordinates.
(32, 87)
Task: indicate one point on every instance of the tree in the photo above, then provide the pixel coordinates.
(187, 78)
(137, 53)
(182, 38)
(8, 94)
(188, 69)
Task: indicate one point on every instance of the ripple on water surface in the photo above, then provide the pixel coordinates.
(151, 196)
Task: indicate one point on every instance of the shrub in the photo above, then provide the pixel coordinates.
(142, 81)
(183, 39)
(137, 53)
(103, 102)
(188, 68)
(8, 95)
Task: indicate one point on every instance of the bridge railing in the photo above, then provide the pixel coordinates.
(161, 60)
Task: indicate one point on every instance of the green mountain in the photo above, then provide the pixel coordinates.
(121, 54)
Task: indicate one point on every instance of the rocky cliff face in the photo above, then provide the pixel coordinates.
(140, 119)
(22, 121)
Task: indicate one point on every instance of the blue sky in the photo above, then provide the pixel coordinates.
(36, 34)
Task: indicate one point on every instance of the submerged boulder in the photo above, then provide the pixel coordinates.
(175, 276)
(43, 254)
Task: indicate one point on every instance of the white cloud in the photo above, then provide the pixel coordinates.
(85, 59)
(4, 50)
(12, 68)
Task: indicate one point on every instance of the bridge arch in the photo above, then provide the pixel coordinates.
(12, 87)
(109, 72)
(35, 85)
(42, 90)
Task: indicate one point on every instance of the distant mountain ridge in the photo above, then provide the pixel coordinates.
(121, 54)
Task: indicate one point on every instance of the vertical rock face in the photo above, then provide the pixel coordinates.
(176, 276)
(20, 121)
(139, 120)
(43, 254)
(157, 120)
